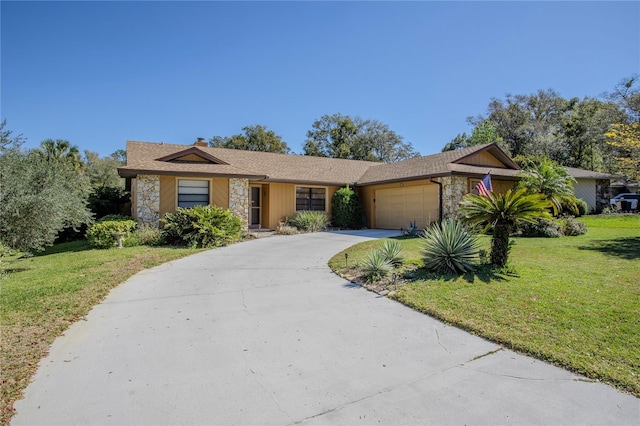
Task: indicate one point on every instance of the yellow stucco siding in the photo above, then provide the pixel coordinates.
(192, 158)
(167, 195)
(220, 192)
(499, 186)
(483, 159)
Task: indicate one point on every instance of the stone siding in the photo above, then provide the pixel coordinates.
(239, 199)
(148, 200)
(453, 189)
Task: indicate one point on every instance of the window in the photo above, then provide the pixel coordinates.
(193, 193)
(310, 198)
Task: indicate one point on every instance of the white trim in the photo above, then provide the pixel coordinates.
(177, 188)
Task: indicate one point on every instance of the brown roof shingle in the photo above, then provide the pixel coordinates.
(142, 157)
(151, 158)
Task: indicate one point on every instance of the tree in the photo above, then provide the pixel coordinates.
(543, 176)
(527, 123)
(340, 136)
(625, 139)
(255, 138)
(39, 198)
(581, 140)
(103, 172)
(501, 213)
(60, 150)
(627, 95)
(8, 142)
(484, 132)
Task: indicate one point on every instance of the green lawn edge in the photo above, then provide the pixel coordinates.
(556, 313)
(41, 296)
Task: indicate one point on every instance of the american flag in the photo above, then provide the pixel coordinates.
(484, 187)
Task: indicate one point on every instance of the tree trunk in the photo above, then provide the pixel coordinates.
(500, 245)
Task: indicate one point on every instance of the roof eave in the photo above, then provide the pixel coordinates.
(132, 173)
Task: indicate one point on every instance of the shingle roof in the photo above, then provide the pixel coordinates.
(588, 174)
(440, 164)
(142, 157)
(158, 158)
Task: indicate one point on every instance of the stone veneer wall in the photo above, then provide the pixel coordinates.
(453, 189)
(148, 199)
(239, 199)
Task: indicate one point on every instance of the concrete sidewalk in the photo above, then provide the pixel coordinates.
(263, 333)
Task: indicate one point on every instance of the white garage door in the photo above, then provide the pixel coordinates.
(397, 207)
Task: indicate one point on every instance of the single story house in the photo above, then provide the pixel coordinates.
(264, 188)
(593, 187)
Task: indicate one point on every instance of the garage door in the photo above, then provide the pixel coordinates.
(397, 207)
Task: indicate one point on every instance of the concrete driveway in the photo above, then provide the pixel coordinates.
(263, 333)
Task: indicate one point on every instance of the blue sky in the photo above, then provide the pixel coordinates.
(100, 73)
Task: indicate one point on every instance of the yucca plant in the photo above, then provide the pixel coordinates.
(310, 221)
(500, 213)
(449, 247)
(376, 266)
(392, 251)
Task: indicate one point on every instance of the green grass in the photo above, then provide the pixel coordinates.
(575, 301)
(42, 295)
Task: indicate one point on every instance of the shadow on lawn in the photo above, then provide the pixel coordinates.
(70, 247)
(625, 248)
(483, 273)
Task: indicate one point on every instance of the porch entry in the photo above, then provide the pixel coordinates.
(254, 206)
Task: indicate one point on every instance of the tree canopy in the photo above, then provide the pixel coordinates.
(588, 133)
(254, 138)
(103, 171)
(40, 194)
(341, 136)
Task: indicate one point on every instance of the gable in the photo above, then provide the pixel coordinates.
(190, 158)
(191, 155)
(483, 159)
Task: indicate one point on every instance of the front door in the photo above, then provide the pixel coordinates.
(254, 214)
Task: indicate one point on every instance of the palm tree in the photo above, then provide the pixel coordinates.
(61, 150)
(551, 179)
(501, 213)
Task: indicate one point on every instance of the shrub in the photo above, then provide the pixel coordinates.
(572, 227)
(449, 248)
(102, 233)
(412, 230)
(287, 230)
(546, 228)
(376, 266)
(105, 201)
(583, 207)
(346, 209)
(392, 251)
(309, 221)
(147, 235)
(201, 226)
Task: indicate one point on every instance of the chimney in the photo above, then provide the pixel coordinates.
(200, 142)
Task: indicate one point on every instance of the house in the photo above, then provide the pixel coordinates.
(264, 188)
(593, 187)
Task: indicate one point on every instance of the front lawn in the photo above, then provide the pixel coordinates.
(574, 301)
(42, 295)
